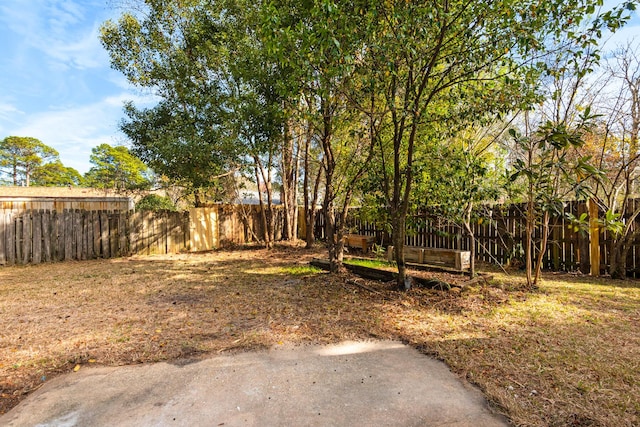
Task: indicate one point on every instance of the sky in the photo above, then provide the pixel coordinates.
(55, 80)
(56, 83)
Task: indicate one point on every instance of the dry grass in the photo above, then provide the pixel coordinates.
(564, 355)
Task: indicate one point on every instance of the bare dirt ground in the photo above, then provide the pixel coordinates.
(566, 354)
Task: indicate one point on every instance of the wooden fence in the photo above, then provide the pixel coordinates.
(35, 236)
(500, 237)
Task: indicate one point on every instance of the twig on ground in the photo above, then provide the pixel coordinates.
(353, 282)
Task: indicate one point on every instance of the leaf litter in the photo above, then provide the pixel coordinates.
(563, 355)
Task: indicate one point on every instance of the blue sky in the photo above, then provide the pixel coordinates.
(55, 81)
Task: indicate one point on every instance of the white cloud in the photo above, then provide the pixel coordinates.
(64, 31)
(8, 110)
(75, 131)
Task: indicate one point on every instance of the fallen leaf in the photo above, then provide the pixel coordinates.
(77, 368)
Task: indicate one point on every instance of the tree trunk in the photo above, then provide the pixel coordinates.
(330, 228)
(472, 239)
(14, 167)
(617, 265)
(289, 171)
(543, 247)
(263, 211)
(329, 194)
(311, 211)
(530, 224)
(398, 226)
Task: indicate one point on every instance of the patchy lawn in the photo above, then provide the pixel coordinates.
(564, 355)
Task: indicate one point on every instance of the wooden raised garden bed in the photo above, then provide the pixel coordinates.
(449, 258)
(383, 275)
(359, 241)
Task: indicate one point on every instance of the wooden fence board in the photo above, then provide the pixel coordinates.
(77, 234)
(18, 242)
(10, 236)
(36, 237)
(46, 235)
(122, 235)
(4, 223)
(104, 235)
(113, 235)
(161, 232)
(97, 234)
(68, 235)
(58, 237)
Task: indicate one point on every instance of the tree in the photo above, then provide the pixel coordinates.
(613, 144)
(456, 62)
(180, 51)
(317, 42)
(115, 168)
(549, 175)
(557, 128)
(20, 156)
(55, 174)
(185, 151)
(220, 114)
(153, 202)
(461, 174)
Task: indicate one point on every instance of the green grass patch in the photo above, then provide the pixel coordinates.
(301, 270)
(288, 270)
(372, 263)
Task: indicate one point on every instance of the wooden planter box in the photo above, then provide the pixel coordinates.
(359, 241)
(451, 258)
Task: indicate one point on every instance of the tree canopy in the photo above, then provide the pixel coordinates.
(115, 168)
(55, 174)
(21, 156)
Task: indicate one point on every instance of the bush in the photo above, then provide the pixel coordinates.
(153, 202)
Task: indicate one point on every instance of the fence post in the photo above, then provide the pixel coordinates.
(594, 235)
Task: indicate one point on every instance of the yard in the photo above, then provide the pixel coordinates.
(566, 354)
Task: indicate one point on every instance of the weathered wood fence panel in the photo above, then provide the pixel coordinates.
(500, 236)
(36, 236)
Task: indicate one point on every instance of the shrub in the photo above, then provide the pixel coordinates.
(153, 202)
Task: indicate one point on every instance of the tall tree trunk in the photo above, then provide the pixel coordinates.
(330, 232)
(328, 207)
(305, 185)
(263, 211)
(335, 260)
(264, 173)
(289, 171)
